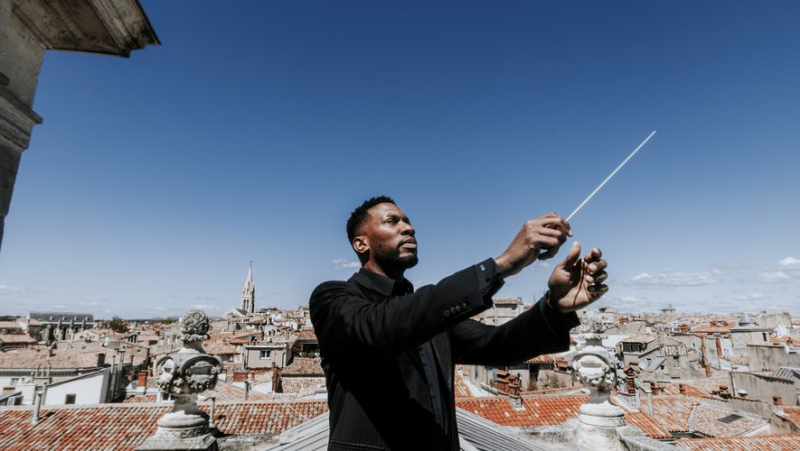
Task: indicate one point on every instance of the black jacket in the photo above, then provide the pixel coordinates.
(382, 344)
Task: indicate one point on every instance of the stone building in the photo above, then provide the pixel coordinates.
(502, 311)
(28, 28)
(58, 326)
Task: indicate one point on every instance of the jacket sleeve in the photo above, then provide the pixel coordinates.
(347, 323)
(540, 330)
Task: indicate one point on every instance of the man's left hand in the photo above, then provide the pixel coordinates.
(577, 282)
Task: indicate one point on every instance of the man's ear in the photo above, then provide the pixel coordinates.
(361, 245)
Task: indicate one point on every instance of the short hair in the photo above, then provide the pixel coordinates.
(360, 214)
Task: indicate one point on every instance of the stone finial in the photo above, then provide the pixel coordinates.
(182, 376)
(591, 323)
(596, 368)
(194, 326)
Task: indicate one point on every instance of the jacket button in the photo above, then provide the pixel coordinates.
(456, 309)
(446, 313)
(464, 305)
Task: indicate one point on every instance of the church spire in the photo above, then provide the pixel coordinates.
(249, 292)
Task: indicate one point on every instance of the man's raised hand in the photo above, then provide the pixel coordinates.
(577, 282)
(548, 232)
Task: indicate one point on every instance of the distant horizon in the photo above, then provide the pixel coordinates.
(592, 308)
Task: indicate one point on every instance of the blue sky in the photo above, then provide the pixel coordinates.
(254, 130)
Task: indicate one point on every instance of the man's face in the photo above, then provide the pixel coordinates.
(391, 237)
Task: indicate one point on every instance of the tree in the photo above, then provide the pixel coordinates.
(117, 324)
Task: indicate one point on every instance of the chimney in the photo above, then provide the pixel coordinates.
(276, 381)
(502, 382)
(685, 328)
(239, 376)
(708, 370)
(655, 389)
(776, 400)
(682, 389)
(141, 379)
(630, 379)
(101, 359)
(246, 389)
(38, 405)
(723, 392)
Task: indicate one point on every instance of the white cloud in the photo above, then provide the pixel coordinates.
(774, 277)
(545, 265)
(750, 297)
(204, 307)
(789, 261)
(8, 290)
(673, 279)
(343, 263)
(206, 298)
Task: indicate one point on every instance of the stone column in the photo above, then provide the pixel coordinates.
(20, 59)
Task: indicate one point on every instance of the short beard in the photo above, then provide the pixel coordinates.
(391, 258)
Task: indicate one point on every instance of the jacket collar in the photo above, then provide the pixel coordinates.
(381, 284)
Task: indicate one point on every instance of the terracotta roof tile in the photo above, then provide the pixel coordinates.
(544, 358)
(539, 410)
(646, 424)
(306, 334)
(62, 358)
(707, 421)
(639, 338)
(675, 389)
(764, 442)
(791, 414)
(16, 338)
(141, 399)
(126, 426)
(302, 385)
(218, 348)
(461, 388)
(304, 366)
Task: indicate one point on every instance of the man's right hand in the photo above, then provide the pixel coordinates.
(548, 232)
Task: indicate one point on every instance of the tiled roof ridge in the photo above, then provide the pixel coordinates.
(151, 405)
(524, 396)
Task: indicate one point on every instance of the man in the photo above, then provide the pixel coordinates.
(389, 352)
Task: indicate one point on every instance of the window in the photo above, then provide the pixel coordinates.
(264, 355)
(632, 347)
(730, 418)
(70, 399)
(675, 362)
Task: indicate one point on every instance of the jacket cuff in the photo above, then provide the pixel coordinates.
(489, 279)
(558, 322)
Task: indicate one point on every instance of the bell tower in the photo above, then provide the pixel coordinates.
(249, 292)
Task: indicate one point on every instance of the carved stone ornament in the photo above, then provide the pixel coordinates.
(594, 370)
(182, 376)
(194, 326)
(595, 367)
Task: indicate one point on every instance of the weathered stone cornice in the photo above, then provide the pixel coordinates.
(112, 27)
(16, 121)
